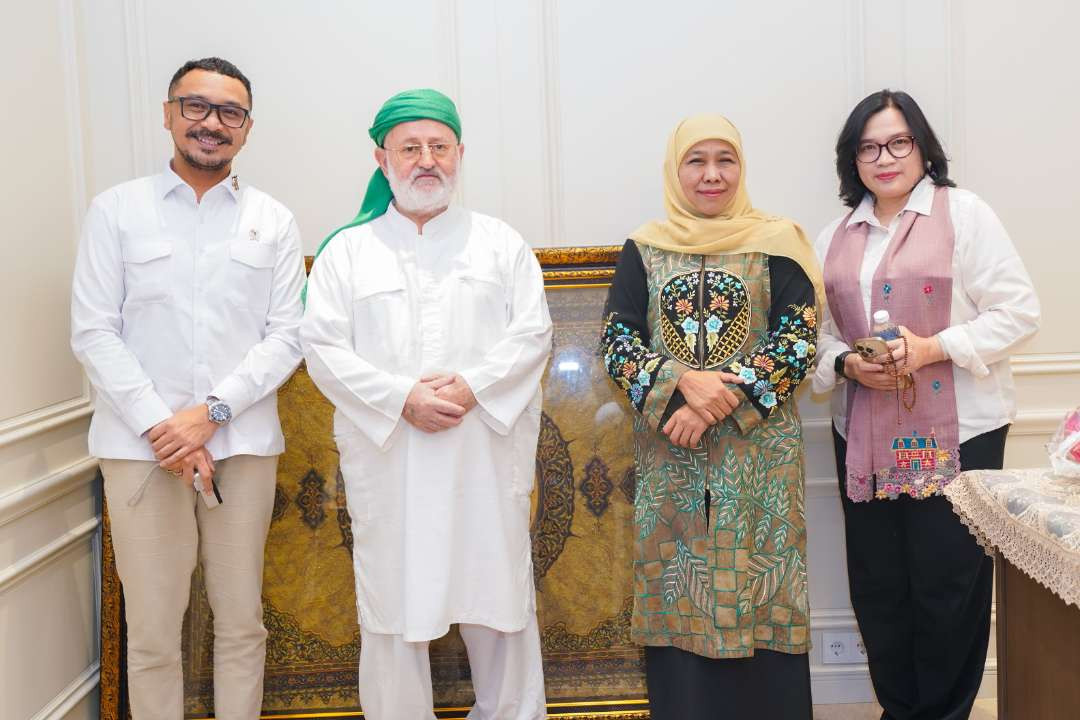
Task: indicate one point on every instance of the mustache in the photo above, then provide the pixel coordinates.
(209, 135)
(434, 172)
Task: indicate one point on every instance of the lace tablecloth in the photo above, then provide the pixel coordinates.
(1031, 517)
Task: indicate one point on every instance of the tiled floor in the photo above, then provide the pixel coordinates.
(984, 710)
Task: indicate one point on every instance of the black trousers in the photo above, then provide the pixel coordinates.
(768, 686)
(921, 589)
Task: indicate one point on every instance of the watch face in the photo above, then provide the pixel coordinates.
(220, 412)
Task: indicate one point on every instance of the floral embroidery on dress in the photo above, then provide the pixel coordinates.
(726, 318)
(629, 362)
(773, 369)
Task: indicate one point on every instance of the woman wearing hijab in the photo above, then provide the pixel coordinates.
(904, 425)
(710, 326)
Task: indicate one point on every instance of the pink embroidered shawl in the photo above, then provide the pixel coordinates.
(892, 451)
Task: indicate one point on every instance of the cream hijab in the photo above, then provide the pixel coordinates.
(740, 228)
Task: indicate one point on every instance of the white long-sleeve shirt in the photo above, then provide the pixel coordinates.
(994, 308)
(175, 300)
(440, 520)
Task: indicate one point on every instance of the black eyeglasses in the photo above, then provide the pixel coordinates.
(899, 147)
(199, 109)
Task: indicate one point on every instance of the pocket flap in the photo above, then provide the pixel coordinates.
(375, 284)
(253, 254)
(144, 249)
(480, 277)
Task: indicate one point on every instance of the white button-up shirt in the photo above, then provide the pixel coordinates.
(994, 307)
(175, 300)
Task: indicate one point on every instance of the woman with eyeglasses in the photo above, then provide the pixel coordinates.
(710, 327)
(911, 414)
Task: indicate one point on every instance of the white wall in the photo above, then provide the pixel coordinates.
(566, 108)
(49, 509)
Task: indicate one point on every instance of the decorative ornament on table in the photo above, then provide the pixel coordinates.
(1064, 447)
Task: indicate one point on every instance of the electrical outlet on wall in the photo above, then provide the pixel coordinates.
(842, 648)
(835, 647)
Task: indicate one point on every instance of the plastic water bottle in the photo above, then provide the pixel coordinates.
(884, 327)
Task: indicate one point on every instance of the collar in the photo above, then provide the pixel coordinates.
(438, 226)
(921, 200)
(168, 180)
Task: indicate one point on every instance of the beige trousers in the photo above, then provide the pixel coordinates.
(157, 542)
(507, 675)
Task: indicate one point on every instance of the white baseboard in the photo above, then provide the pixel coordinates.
(842, 684)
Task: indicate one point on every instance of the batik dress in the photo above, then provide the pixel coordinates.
(720, 550)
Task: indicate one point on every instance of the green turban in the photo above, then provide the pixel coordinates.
(420, 104)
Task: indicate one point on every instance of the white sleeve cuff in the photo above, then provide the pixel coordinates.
(959, 348)
(390, 408)
(825, 378)
(146, 413)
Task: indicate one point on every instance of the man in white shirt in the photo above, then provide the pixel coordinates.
(185, 314)
(427, 327)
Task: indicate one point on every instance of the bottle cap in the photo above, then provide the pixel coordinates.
(881, 317)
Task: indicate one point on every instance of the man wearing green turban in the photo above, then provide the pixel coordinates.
(427, 327)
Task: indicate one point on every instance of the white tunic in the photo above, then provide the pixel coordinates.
(440, 520)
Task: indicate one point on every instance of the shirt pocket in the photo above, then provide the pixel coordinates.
(148, 276)
(478, 310)
(251, 275)
(381, 328)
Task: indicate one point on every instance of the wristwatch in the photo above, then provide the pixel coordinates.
(218, 410)
(838, 364)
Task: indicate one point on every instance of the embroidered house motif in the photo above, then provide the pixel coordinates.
(916, 453)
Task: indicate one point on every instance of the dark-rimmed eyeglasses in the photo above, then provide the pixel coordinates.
(899, 147)
(193, 108)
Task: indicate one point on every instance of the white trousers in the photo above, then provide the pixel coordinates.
(508, 679)
(157, 542)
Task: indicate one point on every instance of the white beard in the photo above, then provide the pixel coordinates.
(411, 198)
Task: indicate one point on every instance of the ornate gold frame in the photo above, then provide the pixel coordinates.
(566, 267)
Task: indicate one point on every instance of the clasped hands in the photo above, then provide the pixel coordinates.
(708, 401)
(438, 402)
(179, 444)
(920, 351)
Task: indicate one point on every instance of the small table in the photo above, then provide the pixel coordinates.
(1030, 519)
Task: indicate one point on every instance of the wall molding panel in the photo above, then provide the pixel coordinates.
(43, 556)
(138, 64)
(41, 421)
(555, 225)
(855, 30)
(48, 502)
(39, 493)
(81, 687)
(1047, 364)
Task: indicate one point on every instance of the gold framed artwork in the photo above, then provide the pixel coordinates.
(582, 544)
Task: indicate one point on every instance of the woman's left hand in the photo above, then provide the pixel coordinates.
(921, 351)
